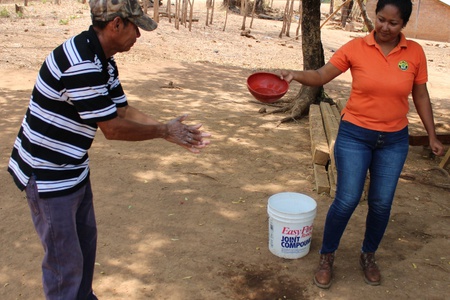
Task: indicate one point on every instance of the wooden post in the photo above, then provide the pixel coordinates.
(156, 11)
(177, 14)
(244, 7)
(289, 18)
(226, 15)
(184, 13)
(286, 9)
(300, 8)
(168, 10)
(208, 7)
(253, 13)
(191, 12)
(212, 11)
(445, 160)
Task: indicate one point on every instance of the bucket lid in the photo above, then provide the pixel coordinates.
(292, 203)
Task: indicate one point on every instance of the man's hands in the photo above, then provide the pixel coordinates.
(186, 136)
(133, 125)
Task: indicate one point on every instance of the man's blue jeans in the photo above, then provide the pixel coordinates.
(358, 150)
(67, 229)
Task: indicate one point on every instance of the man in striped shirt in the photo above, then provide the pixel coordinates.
(78, 90)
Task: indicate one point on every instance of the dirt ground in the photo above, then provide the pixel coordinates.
(173, 225)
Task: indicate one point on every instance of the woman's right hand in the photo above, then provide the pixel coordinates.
(287, 75)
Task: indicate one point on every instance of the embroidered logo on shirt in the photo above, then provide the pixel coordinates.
(403, 65)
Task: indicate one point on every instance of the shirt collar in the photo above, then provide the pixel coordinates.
(96, 46)
(370, 39)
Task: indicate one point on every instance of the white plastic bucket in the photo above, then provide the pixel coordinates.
(291, 217)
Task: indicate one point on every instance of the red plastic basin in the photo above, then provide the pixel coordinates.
(267, 87)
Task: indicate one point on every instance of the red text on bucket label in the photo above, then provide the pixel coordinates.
(304, 232)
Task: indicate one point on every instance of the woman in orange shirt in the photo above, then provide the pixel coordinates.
(373, 132)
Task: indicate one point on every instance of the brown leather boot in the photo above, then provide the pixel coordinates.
(323, 275)
(372, 274)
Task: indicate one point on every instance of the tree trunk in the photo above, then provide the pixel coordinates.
(313, 58)
(285, 16)
(345, 12)
(297, 32)
(212, 11)
(191, 13)
(367, 20)
(244, 5)
(208, 7)
(177, 13)
(289, 18)
(184, 13)
(253, 13)
(169, 10)
(156, 11)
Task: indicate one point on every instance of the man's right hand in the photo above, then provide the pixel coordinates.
(186, 136)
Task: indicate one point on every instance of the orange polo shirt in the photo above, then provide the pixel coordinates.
(380, 84)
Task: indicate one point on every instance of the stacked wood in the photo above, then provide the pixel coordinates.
(319, 148)
(324, 124)
(319, 144)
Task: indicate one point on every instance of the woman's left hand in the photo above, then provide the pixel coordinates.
(436, 147)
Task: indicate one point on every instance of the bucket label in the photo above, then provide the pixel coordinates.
(298, 233)
(293, 240)
(289, 240)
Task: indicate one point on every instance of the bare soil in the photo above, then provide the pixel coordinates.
(173, 225)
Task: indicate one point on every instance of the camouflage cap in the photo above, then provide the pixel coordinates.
(107, 10)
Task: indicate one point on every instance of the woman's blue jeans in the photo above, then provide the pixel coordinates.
(358, 150)
(67, 229)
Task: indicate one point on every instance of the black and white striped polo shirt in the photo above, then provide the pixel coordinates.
(76, 87)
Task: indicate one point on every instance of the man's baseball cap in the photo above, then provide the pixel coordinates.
(107, 10)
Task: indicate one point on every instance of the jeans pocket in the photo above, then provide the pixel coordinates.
(34, 206)
(32, 197)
